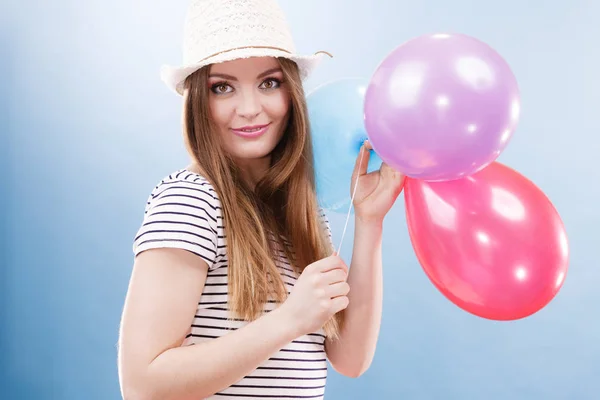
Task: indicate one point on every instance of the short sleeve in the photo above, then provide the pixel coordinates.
(182, 212)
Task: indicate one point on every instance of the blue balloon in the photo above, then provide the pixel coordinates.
(336, 114)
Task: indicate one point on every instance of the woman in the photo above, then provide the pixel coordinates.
(235, 290)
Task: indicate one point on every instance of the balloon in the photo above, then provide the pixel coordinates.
(441, 107)
(338, 132)
(492, 243)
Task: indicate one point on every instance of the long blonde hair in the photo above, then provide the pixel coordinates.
(283, 203)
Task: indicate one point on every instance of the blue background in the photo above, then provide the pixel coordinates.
(88, 129)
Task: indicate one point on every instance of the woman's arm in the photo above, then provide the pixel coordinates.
(165, 288)
(353, 352)
(376, 193)
(164, 291)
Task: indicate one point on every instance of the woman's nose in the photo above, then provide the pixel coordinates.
(249, 105)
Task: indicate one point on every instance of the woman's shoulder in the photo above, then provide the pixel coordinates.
(185, 179)
(182, 211)
(184, 188)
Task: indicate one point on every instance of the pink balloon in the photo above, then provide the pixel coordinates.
(492, 243)
(441, 107)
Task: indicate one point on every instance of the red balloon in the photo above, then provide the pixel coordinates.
(492, 242)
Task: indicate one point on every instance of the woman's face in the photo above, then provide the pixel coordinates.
(249, 102)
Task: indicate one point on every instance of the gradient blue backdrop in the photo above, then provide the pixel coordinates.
(88, 129)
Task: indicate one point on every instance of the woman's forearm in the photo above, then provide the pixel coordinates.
(353, 352)
(198, 371)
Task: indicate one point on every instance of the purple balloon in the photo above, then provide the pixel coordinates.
(441, 107)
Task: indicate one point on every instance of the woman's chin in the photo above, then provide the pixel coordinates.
(252, 151)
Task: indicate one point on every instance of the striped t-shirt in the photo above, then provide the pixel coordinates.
(183, 211)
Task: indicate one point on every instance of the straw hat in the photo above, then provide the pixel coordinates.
(223, 30)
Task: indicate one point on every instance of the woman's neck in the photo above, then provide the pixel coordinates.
(253, 170)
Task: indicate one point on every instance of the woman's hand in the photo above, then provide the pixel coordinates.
(319, 293)
(377, 191)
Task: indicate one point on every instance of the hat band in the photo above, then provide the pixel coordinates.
(256, 47)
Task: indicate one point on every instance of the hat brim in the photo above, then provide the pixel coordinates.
(174, 77)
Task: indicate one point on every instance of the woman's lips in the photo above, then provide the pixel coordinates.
(251, 131)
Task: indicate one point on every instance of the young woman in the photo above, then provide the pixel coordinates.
(236, 290)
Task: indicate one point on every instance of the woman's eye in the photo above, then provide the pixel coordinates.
(221, 88)
(270, 84)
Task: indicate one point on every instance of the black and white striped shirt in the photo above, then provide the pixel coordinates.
(183, 211)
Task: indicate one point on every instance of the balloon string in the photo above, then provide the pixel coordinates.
(351, 202)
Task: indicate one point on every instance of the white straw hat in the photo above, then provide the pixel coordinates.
(224, 30)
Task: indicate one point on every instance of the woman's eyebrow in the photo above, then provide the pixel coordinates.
(224, 76)
(233, 78)
(269, 72)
